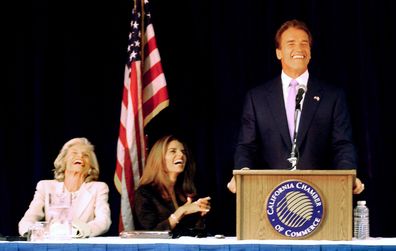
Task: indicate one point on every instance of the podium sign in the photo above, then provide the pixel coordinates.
(300, 204)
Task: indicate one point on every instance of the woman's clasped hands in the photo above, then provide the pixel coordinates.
(201, 205)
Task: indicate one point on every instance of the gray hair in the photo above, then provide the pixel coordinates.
(60, 162)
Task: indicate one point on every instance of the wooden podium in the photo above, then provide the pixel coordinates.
(256, 190)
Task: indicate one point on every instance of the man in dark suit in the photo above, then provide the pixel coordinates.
(323, 134)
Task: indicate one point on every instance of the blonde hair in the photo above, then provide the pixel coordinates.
(155, 172)
(60, 161)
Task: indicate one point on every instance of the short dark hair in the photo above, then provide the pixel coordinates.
(297, 24)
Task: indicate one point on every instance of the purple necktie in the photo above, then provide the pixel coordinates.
(291, 106)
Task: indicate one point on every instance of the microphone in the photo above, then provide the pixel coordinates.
(294, 154)
(301, 90)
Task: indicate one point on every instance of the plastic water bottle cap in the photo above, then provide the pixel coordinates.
(361, 202)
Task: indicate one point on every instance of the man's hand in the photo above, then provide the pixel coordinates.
(358, 187)
(231, 185)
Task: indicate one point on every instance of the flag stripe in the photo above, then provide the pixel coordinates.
(151, 89)
(152, 74)
(159, 108)
(150, 104)
(152, 55)
(150, 42)
(139, 156)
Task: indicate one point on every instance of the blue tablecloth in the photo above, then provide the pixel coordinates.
(201, 244)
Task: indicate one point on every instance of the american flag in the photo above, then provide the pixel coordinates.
(144, 96)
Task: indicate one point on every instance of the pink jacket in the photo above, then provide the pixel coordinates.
(90, 209)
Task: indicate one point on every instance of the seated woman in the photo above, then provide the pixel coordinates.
(76, 171)
(165, 198)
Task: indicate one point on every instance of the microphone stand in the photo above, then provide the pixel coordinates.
(294, 151)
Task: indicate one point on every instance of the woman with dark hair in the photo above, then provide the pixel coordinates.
(76, 173)
(165, 198)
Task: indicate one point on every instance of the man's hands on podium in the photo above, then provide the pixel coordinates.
(358, 186)
(231, 185)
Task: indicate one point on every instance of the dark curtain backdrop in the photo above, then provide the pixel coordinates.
(63, 78)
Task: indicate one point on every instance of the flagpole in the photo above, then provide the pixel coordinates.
(142, 28)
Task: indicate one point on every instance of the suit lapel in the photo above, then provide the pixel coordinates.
(311, 103)
(277, 105)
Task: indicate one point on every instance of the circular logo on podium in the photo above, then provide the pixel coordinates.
(295, 209)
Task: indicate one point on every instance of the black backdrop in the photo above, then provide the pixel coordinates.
(63, 77)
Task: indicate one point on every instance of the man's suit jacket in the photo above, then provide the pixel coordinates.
(90, 209)
(324, 137)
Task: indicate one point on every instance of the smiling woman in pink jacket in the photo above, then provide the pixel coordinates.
(76, 171)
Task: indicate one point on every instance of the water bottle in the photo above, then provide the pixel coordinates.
(361, 221)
